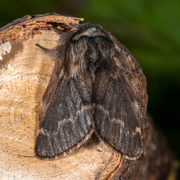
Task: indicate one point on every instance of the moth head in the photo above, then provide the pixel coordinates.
(90, 30)
(90, 48)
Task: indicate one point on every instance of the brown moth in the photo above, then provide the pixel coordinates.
(87, 93)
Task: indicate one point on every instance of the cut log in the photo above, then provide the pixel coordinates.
(25, 73)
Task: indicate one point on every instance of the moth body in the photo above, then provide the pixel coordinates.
(88, 92)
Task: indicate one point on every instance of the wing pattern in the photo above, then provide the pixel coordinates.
(114, 117)
(68, 119)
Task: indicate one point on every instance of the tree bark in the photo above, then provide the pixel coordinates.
(25, 73)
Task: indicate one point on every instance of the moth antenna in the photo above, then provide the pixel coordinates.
(60, 49)
(43, 48)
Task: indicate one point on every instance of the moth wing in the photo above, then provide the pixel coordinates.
(67, 122)
(59, 62)
(115, 120)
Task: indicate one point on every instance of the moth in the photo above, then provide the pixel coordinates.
(87, 93)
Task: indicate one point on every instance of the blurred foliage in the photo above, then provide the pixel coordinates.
(149, 29)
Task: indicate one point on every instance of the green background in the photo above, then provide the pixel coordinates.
(149, 29)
